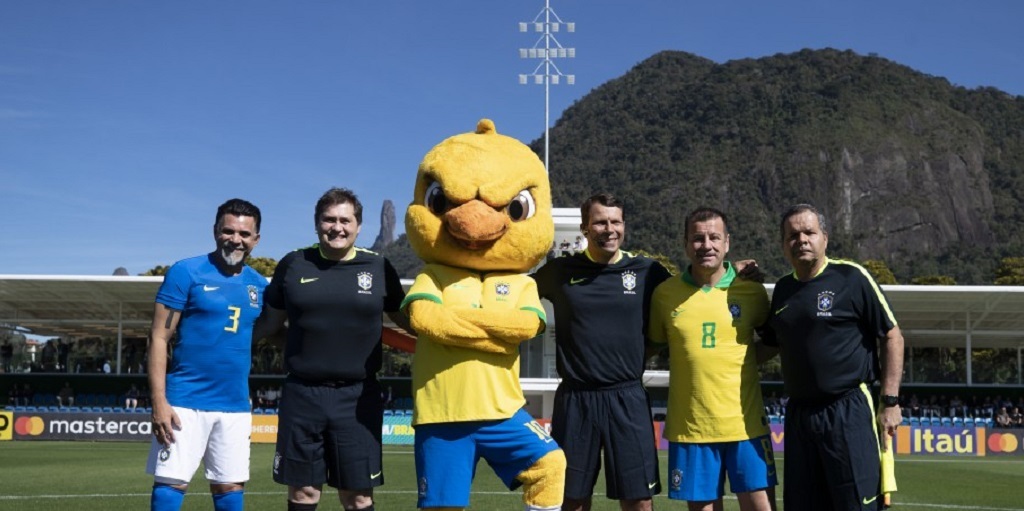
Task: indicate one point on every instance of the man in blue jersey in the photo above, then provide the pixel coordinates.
(201, 399)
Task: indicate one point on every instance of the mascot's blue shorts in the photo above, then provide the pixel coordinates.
(447, 454)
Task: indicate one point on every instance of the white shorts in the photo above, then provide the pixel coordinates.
(219, 439)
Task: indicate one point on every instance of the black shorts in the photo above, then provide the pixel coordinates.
(329, 434)
(616, 420)
(832, 455)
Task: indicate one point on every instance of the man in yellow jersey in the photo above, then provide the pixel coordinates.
(716, 423)
(837, 334)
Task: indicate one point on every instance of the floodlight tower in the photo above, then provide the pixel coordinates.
(547, 48)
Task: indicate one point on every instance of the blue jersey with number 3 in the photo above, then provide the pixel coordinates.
(209, 368)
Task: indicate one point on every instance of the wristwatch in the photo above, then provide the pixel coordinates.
(889, 400)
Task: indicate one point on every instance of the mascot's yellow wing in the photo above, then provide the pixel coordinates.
(493, 331)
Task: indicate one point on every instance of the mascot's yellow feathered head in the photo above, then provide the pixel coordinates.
(482, 202)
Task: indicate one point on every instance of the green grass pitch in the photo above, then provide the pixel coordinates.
(84, 476)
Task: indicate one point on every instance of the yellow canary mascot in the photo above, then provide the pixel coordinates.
(480, 218)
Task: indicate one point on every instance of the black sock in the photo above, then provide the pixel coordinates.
(295, 506)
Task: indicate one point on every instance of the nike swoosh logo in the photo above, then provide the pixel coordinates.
(652, 485)
(573, 282)
(374, 476)
(780, 310)
(867, 501)
(304, 280)
(210, 288)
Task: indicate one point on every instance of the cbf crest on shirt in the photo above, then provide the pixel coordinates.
(629, 282)
(826, 300)
(365, 281)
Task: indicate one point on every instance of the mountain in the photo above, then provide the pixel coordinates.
(909, 169)
(386, 236)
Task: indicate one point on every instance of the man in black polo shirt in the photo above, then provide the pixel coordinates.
(333, 295)
(837, 335)
(601, 297)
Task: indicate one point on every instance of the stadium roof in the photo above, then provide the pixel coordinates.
(98, 306)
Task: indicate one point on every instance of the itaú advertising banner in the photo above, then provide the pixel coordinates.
(942, 440)
(82, 426)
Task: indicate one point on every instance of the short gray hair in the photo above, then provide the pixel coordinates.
(796, 210)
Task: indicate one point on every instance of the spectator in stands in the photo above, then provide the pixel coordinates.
(63, 354)
(771, 405)
(49, 357)
(26, 395)
(106, 366)
(273, 396)
(1003, 419)
(66, 396)
(578, 244)
(987, 409)
(957, 407)
(14, 395)
(387, 397)
(1016, 418)
(6, 356)
(932, 408)
(131, 398)
(908, 406)
(261, 397)
(131, 358)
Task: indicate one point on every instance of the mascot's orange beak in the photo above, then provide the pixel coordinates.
(475, 225)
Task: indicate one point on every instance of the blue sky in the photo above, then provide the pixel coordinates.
(123, 124)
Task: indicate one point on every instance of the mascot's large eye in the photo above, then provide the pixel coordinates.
(435, 200)
(522, 206)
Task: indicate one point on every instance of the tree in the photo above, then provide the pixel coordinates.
(933, 280)
(1010, 272)
(156, 271)
(661, 258)
(880, 271)
(264, 265)
(403, 258)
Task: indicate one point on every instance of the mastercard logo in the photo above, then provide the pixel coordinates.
(1002, 442)
(30, 426)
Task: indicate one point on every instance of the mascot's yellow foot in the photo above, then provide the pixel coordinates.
(544, 483)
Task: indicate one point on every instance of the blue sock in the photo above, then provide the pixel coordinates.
(230, 501)
(165, 498)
